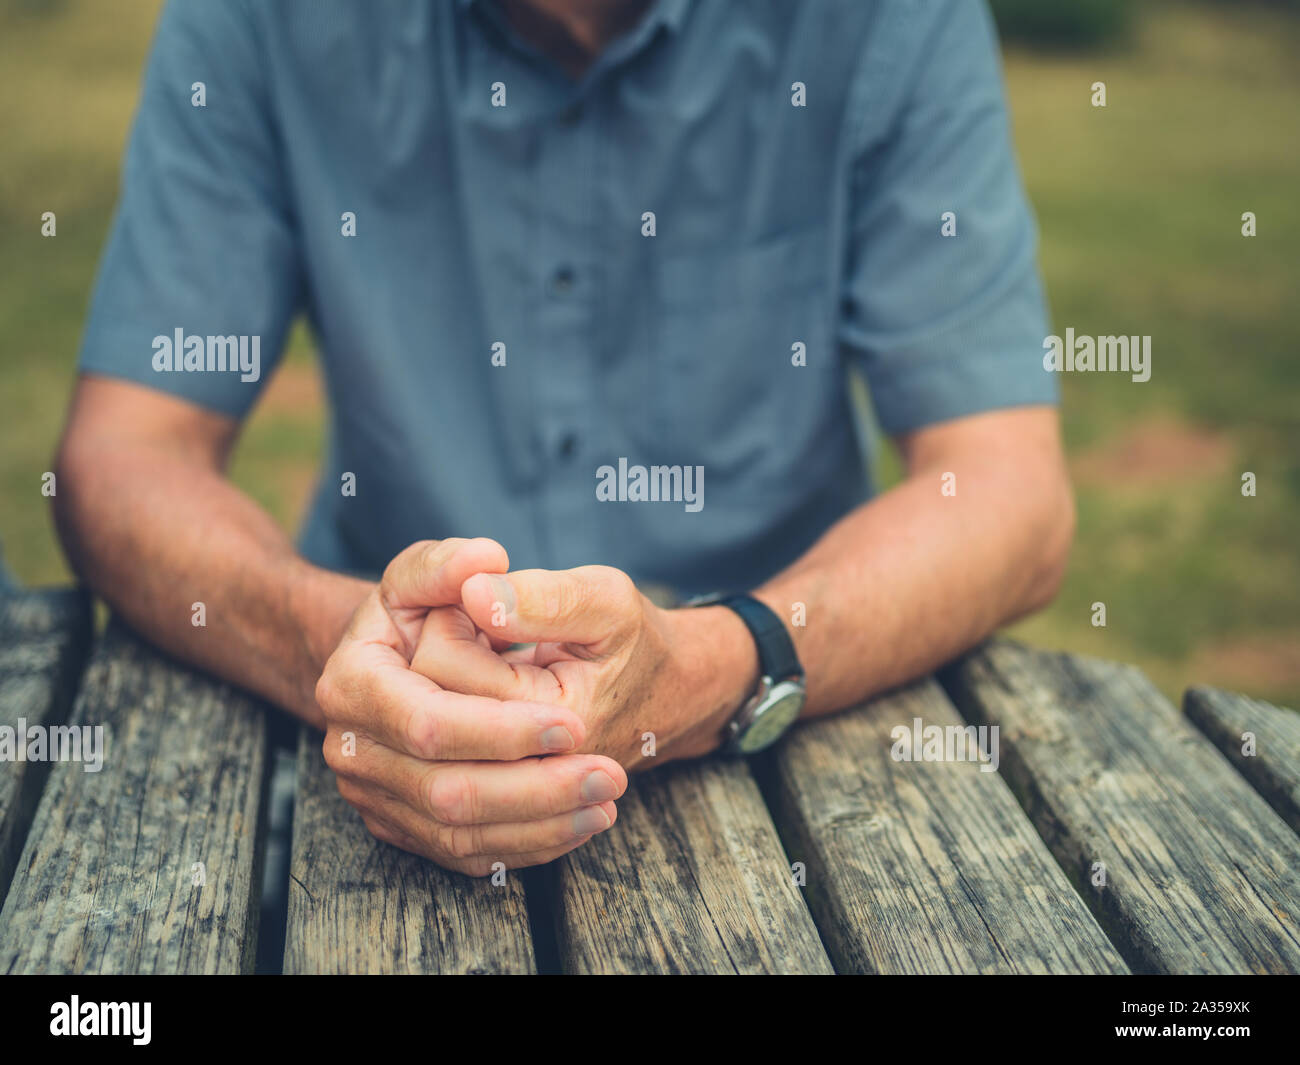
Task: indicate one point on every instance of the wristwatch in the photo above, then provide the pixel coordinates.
(766, 715)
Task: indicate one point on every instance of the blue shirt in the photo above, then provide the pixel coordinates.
(671, 262)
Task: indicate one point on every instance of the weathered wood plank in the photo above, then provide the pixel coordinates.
(44, 638)
(151, 864)
(691, 879)
(357, 905)
(1200, 874)
(922, 866)
(1274, 766)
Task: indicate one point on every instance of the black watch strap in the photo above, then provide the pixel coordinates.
(776, 655)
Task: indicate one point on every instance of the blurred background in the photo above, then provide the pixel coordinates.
(1140, 206)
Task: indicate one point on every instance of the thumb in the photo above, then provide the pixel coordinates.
(429, 574)
(587, 605)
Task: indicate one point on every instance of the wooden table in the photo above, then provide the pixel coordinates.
(1117, 835)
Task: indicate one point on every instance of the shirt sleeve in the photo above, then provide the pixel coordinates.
(945, 326)
(202, 240)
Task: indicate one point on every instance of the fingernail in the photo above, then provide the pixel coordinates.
(597, 787)
(557, 738)
(504, 592)
(592, 819)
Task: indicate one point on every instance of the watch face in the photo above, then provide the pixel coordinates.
(778, 712)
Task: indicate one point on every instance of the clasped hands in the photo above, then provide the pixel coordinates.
(452, 745)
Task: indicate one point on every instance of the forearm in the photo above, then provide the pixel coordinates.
(910, 580)
(155, 532)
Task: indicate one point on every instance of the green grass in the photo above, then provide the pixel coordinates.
(1140, 208)
(1139, 205)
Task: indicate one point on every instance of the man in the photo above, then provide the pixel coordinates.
(554, 251)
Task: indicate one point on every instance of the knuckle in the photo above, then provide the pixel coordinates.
(435, 553)
(461, 842)
(432, 552)
(555, 602)
(622, 589)
(394, 567)
(607, 584)
(326, 690)
(428, 736)
(452, 797)
(414, 557)
(352, 792)
(379, 830)
(540, 804)
(341, 684)
(332, 751)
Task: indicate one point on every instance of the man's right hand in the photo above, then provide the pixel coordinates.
(464, 780)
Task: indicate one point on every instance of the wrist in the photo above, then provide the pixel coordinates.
(720, 669)
(320, 605)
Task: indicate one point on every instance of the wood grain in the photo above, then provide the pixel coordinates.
(922, 866)
(1274, 767)
(691, 879)
(357, 905)
(44, 639)
(1200, 874)
(106, 881)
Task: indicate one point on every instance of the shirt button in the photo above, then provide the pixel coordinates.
(568, 445)
(563, 280)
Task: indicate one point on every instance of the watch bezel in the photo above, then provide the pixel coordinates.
(771, 691)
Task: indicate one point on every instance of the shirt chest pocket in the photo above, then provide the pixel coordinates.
(742, 354)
